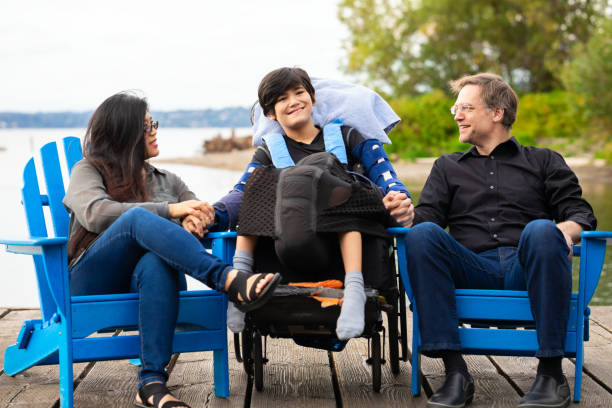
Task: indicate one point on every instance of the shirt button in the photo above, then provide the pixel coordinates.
(491, 187)
(494, 235)
(492, 219)
(491, 173)
(492, 157)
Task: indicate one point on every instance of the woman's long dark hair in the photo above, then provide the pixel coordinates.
(114, 143)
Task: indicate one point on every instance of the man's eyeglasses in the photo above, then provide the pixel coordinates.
(153, 125)
(463, 108)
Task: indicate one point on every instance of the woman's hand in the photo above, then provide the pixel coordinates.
(201, 209)
(195, 226)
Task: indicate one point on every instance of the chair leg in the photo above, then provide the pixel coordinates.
(416, 357)
(66, 372)
(221, 372)
(578, 372)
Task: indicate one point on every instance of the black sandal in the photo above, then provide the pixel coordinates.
(252, 300)
(158, 391)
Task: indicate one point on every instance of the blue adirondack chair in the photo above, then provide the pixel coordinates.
(507, 309)
(61, 335)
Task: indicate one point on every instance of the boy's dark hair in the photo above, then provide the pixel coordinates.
(279, 81)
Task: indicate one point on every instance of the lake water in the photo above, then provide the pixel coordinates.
(17, 282)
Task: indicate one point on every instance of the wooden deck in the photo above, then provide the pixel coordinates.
(303, 377)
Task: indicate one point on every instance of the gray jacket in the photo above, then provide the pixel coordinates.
(89, 204)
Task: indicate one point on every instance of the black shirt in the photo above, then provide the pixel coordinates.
(486, 201)
(299, 150)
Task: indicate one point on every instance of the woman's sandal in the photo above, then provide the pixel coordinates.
(158, 391)
(252, 300)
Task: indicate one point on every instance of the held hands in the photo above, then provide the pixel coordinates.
(400, 207)
(191, 207)
(197, 215)
(195, 226)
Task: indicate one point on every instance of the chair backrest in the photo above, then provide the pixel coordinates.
(34, 203)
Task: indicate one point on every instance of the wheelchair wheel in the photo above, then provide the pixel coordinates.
(258, 361)
(247, 346)
(375, 361)
(392, 318)
(237, 347)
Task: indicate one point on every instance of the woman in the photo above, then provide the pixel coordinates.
(134, 227)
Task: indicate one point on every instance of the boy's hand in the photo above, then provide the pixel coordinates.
(400, 207)
(194, 225)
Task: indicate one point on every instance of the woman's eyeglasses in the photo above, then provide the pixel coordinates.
(153, 125)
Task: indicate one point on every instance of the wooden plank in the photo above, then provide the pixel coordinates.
(108, 384)
(598, 352)
(192, 379)
(295, 376)
(491, 388)
(603, 316)
(36, 387)
(355, 380)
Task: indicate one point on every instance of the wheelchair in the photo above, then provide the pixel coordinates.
(294, 313)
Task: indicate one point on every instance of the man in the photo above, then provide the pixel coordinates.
(499, 200)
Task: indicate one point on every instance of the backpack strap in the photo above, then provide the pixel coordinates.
(278, 150)
(334, 141)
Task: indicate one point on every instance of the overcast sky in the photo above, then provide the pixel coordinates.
(71, 55)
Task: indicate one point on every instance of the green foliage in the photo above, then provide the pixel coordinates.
(427, 128)
(551, 119)
(590, 73)
(406, 47)
(556, 120)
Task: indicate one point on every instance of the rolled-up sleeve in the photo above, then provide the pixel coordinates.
(564, 194)
(87, 199)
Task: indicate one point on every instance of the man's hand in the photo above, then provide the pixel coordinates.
(571, 231)
(400, 207)
(194, 225)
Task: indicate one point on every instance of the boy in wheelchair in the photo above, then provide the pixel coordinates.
(314, 190)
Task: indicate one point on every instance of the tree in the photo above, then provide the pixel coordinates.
(590, 71)
(407, 47)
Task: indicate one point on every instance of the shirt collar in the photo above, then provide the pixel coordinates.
(506, 148)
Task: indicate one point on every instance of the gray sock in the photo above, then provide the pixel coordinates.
(243, 261)
(352, 315)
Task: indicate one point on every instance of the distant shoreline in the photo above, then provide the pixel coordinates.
(413, 173)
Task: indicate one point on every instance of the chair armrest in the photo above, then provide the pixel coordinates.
(398, 230)
(597, 235)
(592, 256)
(31, 245)
(224, 234)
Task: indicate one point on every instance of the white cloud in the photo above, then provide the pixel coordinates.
(71, 55)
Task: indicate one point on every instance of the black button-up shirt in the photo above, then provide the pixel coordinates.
(486, 201)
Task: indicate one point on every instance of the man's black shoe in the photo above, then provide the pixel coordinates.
(546, 391)
(456, 392)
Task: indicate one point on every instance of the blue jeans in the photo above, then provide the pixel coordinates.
(438, 264)
(143, 251)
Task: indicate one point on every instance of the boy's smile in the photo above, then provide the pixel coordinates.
(293, 109)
